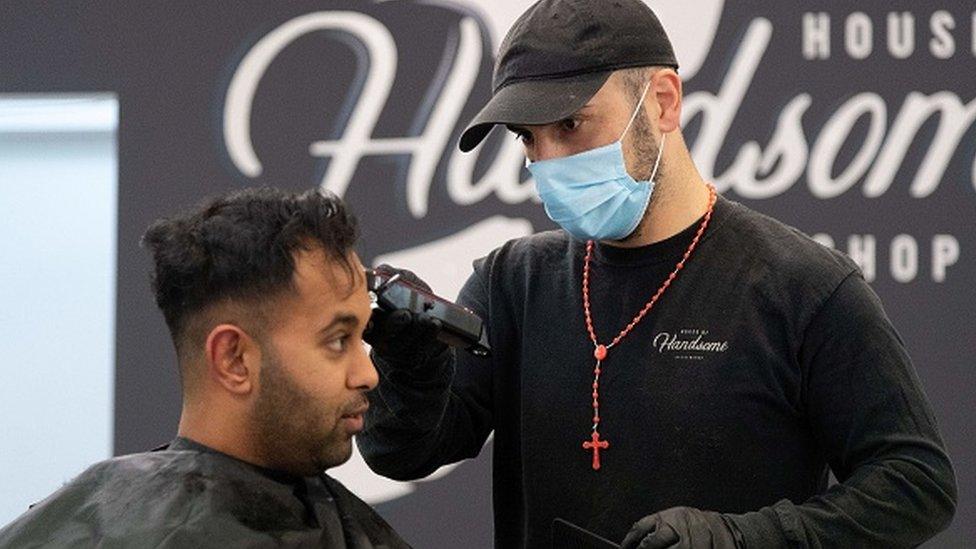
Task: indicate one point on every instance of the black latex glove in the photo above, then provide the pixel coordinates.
(401, 338)
(683, 528)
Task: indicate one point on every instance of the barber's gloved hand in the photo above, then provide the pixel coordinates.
(402, 338)
(683, 528)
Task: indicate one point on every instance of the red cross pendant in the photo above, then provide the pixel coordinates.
(596, 445)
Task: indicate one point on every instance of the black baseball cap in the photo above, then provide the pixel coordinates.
(559, 53)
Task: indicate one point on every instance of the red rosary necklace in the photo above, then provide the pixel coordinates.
(595, 444)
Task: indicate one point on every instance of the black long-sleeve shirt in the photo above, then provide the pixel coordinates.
(767, 363)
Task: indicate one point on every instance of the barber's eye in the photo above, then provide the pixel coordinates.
(523, 137)
(569, 124)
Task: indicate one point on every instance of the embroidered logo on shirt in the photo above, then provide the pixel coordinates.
(688, 344)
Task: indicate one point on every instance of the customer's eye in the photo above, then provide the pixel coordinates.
(338, 344)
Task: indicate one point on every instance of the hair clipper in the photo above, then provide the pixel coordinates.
(459, 326)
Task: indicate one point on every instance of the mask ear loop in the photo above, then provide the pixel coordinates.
(636, 111)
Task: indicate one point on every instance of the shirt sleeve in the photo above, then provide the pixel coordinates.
(428, 415)
(867, 409)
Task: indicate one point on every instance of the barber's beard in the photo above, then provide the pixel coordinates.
(645, 150)
(295, 433)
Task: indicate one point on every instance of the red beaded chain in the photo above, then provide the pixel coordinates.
(600, 351)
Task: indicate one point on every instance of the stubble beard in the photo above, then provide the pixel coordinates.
(645, 151)
(294, 432)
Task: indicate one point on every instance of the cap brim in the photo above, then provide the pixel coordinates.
(533, 102)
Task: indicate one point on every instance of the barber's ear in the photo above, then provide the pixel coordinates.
(666, 86)
(233, 358)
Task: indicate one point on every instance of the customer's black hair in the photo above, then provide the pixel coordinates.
(239, 247)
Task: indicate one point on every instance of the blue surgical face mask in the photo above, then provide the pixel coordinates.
(590, 194)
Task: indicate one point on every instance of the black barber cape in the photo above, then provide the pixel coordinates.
(189, 495)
